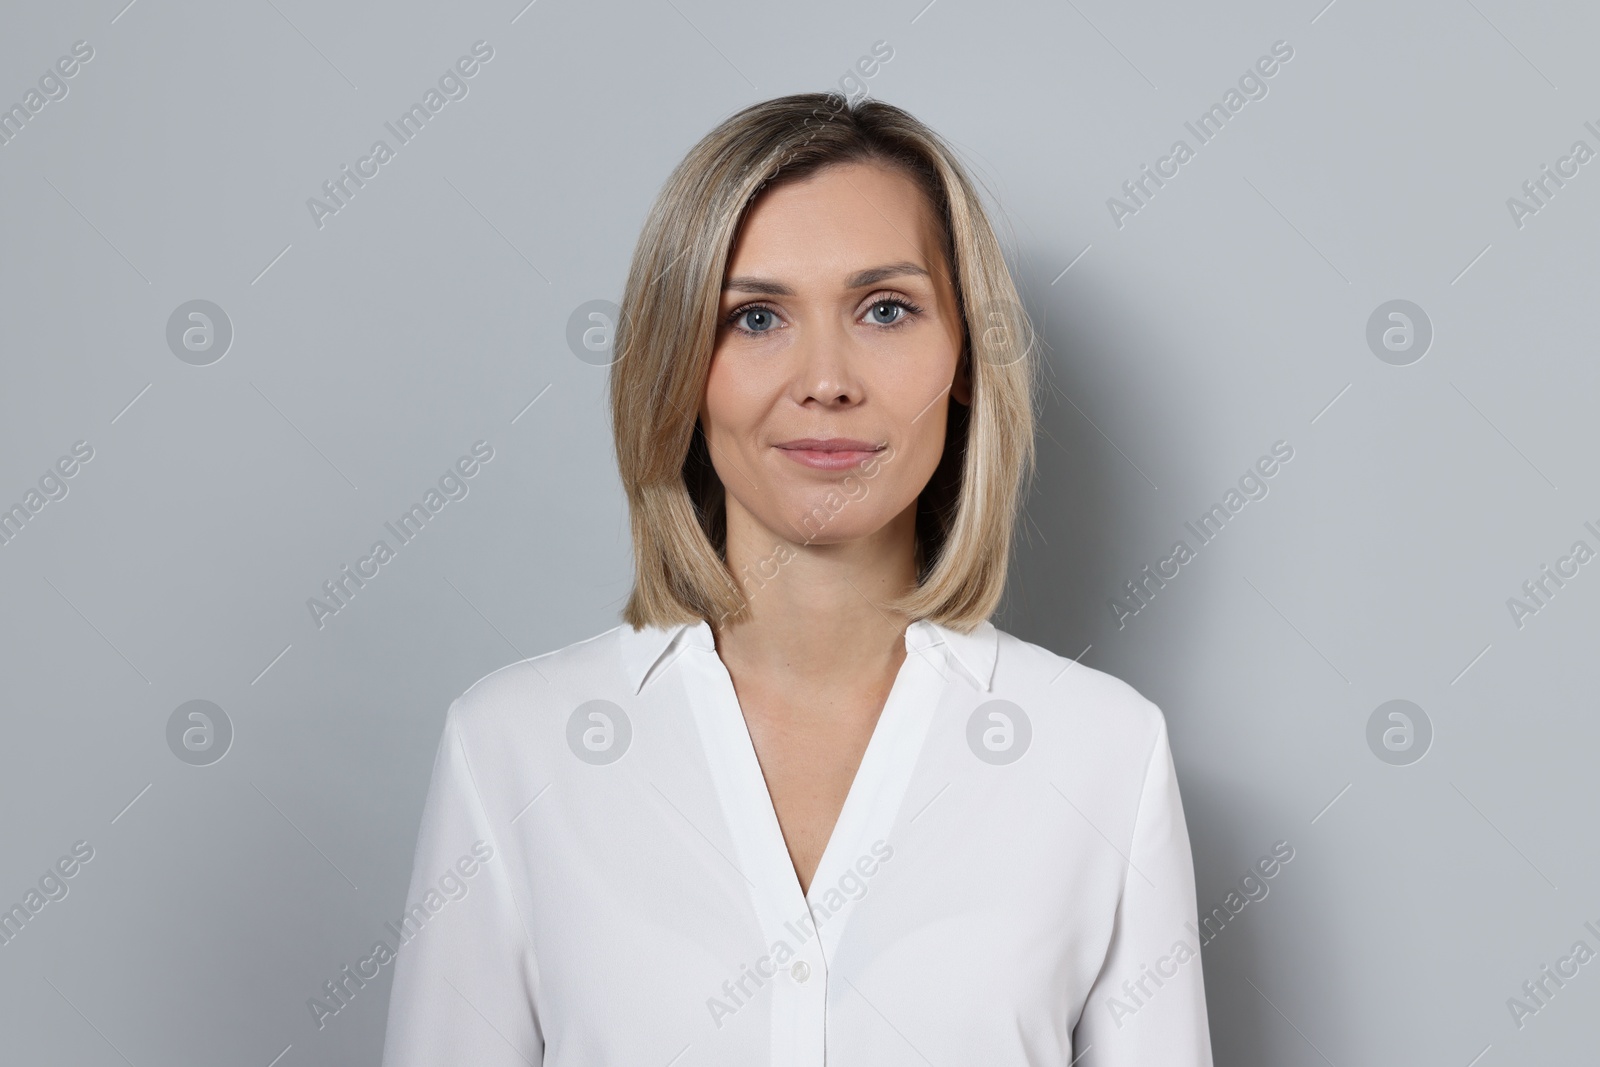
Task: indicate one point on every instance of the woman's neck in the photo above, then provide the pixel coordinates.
(817, 610)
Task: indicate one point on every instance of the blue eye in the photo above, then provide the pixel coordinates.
(756, 319)
(892, 312)
(753, 320)
(888, 312)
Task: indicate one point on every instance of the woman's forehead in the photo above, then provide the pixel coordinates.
(835, 226)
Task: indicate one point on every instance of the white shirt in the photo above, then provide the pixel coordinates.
(600, 877)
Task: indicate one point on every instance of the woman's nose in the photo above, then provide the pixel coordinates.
(826, 365)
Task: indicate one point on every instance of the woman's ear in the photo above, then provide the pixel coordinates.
(961, 385)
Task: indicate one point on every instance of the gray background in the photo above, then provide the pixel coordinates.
(368, 355)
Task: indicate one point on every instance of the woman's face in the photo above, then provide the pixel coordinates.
(839, 345)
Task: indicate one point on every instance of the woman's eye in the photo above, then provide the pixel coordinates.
(891, 312)
(885, 312)
(755, 320)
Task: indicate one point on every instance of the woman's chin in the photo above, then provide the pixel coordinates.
(819, 526)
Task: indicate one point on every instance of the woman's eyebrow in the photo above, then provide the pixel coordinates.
(874, 275)
(859, 280)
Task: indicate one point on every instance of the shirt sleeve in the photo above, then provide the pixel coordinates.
(464, 970)
(1148, 1004)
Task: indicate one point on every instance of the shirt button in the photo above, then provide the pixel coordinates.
(800, 971)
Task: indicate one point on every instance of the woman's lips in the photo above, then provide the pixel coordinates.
(831, 454)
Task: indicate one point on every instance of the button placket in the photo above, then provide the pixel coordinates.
(807, 990)
(798, 1008)
(800, 998)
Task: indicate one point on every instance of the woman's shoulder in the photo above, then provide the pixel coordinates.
(588, 669)
(1055, 683)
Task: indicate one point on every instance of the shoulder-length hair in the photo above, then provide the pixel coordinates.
(667, 330)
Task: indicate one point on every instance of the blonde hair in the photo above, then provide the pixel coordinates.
(667, 330)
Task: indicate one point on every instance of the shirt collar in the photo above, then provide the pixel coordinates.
(646, 648)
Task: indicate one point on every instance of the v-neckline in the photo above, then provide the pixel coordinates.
(871, 803)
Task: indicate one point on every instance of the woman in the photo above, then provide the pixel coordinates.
(807, 805)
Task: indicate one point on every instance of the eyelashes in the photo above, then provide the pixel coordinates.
(909, 311)
(739, 313)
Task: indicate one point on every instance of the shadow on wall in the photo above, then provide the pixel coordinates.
(1090, 496)
(1231, 904)
(1088, 503)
